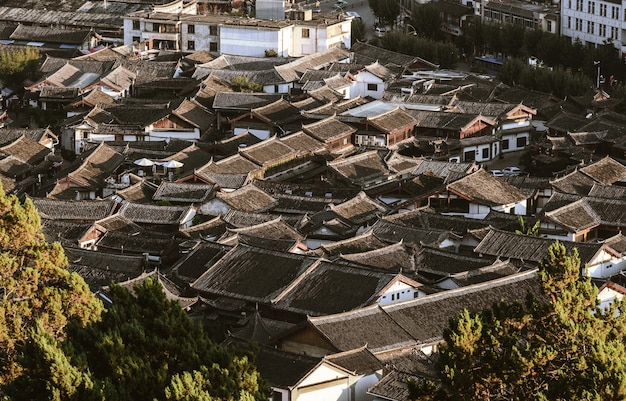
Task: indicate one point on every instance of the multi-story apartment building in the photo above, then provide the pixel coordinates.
(595, 22)
(179, 27)
(528, 14)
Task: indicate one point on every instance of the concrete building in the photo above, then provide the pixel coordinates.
(180, 28)
(594, 22)
(529, 15)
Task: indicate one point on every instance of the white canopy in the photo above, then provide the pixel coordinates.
(144, 162)
(172, 164)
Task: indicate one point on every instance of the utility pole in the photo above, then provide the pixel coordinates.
(597, 64)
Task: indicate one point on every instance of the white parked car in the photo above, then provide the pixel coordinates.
(380, 31)
(496, 173)
(511, 171)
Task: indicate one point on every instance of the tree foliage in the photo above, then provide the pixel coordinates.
(386, 10)
(37, 289)
(19, 65)
(243, 84)
(558, 82)
(527, 230)
(562, 348)
(444, 54)
(358, 31)
(144, 348)
(427, 21)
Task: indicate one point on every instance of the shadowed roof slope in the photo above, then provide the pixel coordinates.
(370, 326)
(252, 274)
(426, 318)
(333, 288)
(484, 188)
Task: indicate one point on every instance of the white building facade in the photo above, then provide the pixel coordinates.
(303, 34)
(595, 22)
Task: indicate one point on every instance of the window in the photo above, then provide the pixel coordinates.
(603, 10)
(590, 27)
(136, 26)
(486, 153)
(602, 30)
(213, 30)
(614, 33)
(579, 5)
(579, 24)
(521, 142)
(305, 32)
(191, 45)
(136, 39)
(372, 87)
(213, 46)
(155, 27)
(591, 7)
(549, 26)
(569, 22)
(505, 144)
(191, 29)
(615, 12)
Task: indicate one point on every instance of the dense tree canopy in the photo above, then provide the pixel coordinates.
(561, 348)
(19, 65)
(426, 20)
(386, 10)
(359, 33)
(37, 289)
(444, 54)
(57, 342)
(243, 84)
(555, 81)
(144, 348)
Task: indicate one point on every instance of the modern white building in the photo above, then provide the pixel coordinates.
(530, 15)
(301, 34)
(594, 22)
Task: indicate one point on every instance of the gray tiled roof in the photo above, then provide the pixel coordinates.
(370, 326)
(393, 233)
(243, 101)
(88, 210)
(328, 129)
(509, 245)
(270, 151)
(99, 269)
(427, 317)
(362, 243)
(361, 167)
(183, 192)
(248, 199)
(606, 171)
(481, 187)
(393, 120)
(27, 150)
(153, 214)
(252, 274)
(441, 262)
(199, 260)
(360, 361)
(396, 258)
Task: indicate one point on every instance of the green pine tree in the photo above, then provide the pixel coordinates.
(146, 348)
(35, 284)
(559, 348)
